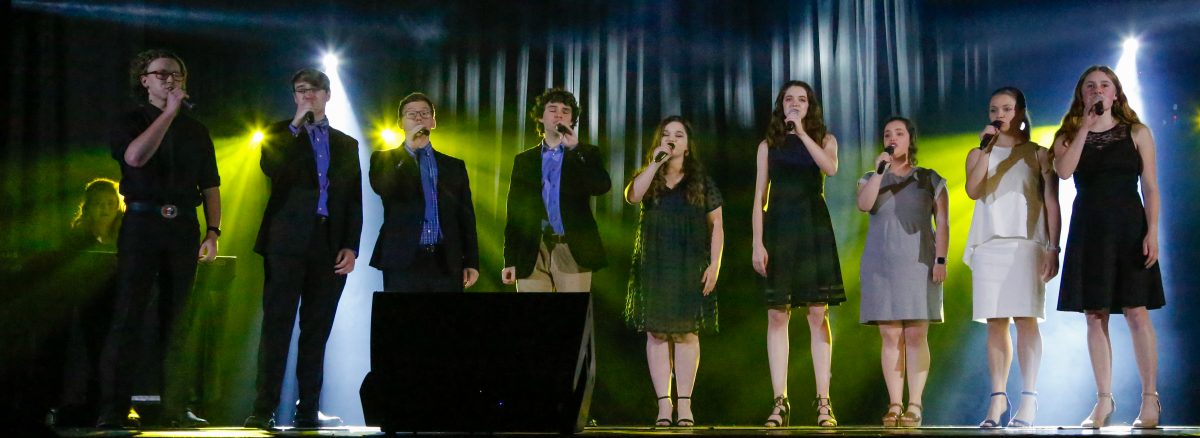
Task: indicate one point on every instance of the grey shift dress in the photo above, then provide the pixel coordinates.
(897, 264)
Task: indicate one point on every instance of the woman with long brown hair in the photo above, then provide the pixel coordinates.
(676, 259)
(99, 217)
(1111, 263)
(794, 248)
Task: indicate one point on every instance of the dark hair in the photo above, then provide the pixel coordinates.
(552, 95)
(912, 136)
(1121, 111)
(693, 171)
(86, 216)
(813, 121)
(139, 64)
(414, 97)
(1023, 111)
(312, 76)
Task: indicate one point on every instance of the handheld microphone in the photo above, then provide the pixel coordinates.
(187, 103)
(561, 128)
(1098, 108)
(423, 131)
(890, 149)
(658, 158)
(987, 138)
(309, 118)
(791, 126)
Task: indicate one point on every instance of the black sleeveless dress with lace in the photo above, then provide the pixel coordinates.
(1104, 268)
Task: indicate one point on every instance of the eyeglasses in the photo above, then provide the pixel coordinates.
(417, 115)
(307, 91)
(162, 75)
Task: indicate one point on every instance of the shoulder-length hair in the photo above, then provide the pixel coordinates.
(694, 176)
(813, 121)
(85, 218)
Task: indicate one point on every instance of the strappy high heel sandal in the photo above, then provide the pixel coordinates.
(910, 418)
(1092, 423)
(1014, 422)
(892, 419)
(684, 422)
(994, 424)
(825, 408)
(664, 422)
(1139, 423)
(782, 409)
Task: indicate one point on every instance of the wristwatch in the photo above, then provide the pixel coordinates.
(215, 230)
(940, 260)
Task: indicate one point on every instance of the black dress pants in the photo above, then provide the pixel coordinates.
(427, 273)
(307, 281)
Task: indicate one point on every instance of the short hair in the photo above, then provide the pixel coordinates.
(912, 135)
(139, 64)
(312, 76)
(415, 97)
(552, 95)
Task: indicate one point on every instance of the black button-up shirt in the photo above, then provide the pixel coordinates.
(184, 165)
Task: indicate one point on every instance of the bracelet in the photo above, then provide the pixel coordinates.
(215, 230)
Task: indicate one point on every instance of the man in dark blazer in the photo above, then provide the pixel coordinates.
(309, 242)
(427, 242)
(550, 240)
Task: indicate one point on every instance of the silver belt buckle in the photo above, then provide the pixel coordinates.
(169, 211)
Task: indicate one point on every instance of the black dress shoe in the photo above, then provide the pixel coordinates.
(264, 422)
(188, 420)
(317, 421)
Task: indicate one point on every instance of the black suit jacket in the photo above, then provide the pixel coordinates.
(396, 177)
(289, 162)
(583, 176)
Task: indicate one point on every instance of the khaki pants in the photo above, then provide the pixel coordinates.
(556, 271)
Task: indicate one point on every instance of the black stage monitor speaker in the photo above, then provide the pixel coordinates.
(480, 362)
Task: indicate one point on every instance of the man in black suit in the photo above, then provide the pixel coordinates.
(427, 242)
(550, 241)
(309, 241)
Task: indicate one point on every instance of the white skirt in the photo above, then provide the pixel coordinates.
(1006, 280)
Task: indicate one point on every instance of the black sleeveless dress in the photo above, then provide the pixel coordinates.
(1104, 268)
(802, 258)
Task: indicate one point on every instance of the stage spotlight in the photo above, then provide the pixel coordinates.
(390, 137)
(1127, 71)
(257, 138)
(330, 60)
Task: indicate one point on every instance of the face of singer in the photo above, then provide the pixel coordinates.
(896, 134)
(313, 100)
(417, 114)
(675, 133)
(158, 88)
(555, 113)
(1098, 82)
(105, 208)
(1003, 108)
(795, 99)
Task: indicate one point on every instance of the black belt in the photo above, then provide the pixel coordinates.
(169, 211)
(429, 249)
(548, 236)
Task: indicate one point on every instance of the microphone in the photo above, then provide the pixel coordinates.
(187, 103)
(309, 118)
(561, 128)
(423, 131)
(659, 157)
(882, 164)
(791, 126)
(987, 138)
(1098, 108)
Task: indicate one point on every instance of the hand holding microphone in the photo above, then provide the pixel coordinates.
(662, 154)
(989, 137)
(568, 135)
(885, 159)
(1098, 107)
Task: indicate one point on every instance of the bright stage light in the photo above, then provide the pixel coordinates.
(1127, 71)
(330, 60)
(257, 138)
(390, 137)
(1131, 44)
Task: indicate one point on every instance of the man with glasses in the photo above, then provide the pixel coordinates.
(427, 242)
(168, 169)
(309, 242)
(551, 243)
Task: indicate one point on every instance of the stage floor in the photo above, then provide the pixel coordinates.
(672, 431)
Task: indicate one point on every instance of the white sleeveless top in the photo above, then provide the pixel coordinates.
(1011, 206)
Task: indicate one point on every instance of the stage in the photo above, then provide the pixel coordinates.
(671, 431)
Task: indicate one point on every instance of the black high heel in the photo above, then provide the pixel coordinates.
(989, 423)
(825, 407)
(684, 422)
(784, 412)
(1014, 422)
(664, 422)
